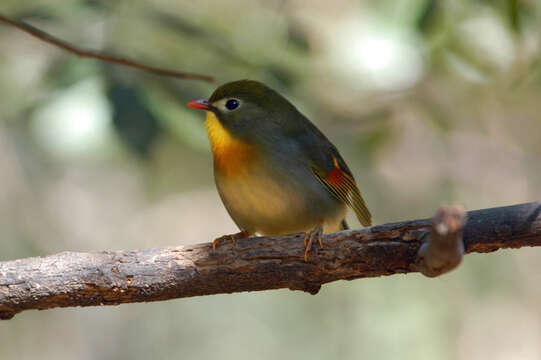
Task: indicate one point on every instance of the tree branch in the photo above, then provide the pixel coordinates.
(37, 33)
(115, 277)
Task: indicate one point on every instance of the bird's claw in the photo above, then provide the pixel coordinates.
(232, 237)
(309, 239)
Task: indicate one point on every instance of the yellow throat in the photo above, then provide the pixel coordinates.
(230, 155)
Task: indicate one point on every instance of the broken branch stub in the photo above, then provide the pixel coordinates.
(443, 247)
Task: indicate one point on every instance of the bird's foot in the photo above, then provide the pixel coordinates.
(233, 237)
(309, 239)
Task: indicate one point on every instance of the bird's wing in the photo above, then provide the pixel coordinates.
(327, 165)
(331, 170)
(339, 181)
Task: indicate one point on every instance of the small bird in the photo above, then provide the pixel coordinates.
(275, 171)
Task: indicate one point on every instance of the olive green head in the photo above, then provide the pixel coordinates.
(252, 111)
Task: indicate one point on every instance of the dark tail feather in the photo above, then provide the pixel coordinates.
(345, 225)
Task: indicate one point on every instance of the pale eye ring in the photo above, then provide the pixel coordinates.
(232, 104)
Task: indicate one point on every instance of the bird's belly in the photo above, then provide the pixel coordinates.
(269, 206)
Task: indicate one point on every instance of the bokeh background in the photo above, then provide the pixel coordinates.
(429, 101)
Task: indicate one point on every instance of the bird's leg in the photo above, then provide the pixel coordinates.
(309, 239)
(233, 237)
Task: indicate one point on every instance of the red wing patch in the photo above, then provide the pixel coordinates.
(336, 175)
(344, 188)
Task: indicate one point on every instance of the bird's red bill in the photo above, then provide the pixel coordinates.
(199, 104)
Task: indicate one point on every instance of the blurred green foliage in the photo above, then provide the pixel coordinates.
(429, 102)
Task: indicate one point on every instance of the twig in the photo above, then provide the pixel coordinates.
(116, 277)
(96, 54)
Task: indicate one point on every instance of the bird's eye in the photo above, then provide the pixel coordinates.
(232, 104)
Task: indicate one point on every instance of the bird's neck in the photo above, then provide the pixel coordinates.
(231, 155)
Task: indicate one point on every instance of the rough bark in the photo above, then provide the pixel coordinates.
(431, 246)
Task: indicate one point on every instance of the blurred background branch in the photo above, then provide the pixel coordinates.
(110, 278)
(43, 36)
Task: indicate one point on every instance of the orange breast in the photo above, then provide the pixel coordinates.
(231, 156)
